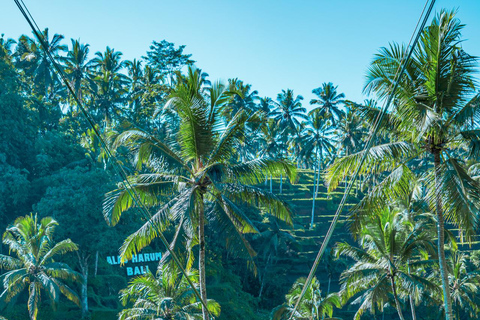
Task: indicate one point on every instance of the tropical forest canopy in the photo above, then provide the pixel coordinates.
(180, 187)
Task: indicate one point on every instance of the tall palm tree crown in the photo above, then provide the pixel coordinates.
(191, 179)
(328, 102)
(288, 111)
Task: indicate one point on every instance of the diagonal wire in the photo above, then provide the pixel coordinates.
(400, 71)
(118, 168)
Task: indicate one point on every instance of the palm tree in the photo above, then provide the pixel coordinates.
(193, 176)
(464, 284)
(434, 115)
(381, 262)
(30, 51)
(77, 66)
(313, 306)
(34, 265)
(7, 44)
(273, 240)
(166, 295)
(244, 98)
(288, 110)
(350, 132)
(109, 83)
(328, 102)
(317, 140)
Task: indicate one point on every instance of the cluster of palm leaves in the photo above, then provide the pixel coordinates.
(314, 305)
(166, 295)
(429, 141)
(34, 268)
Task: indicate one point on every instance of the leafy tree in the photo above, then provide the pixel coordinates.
(165, 58)
(167, 295)
(33, 58)
(317, 141)
(32, 242)
(108, 87)
(349, 133)
(435, 114)
(288, 110)
(313, 306)
(381, 262)
(328, 102)
(274, 241)
(193, 176)
(77, 66)
(464, 283)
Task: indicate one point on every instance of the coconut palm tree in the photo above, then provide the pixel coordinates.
(288, 111)
(436, 112)
(382, 260)
(35, 265)
(328, 102)
(464, 284)
(77, 66)
(313, 306)
(33, 58)
(167, 295)
(318, 140)
(244, 99)
(191, 179)
(350, 133)
(273, 239)
(108, 87)
(146, 92)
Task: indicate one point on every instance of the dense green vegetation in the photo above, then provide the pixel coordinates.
(242, 187)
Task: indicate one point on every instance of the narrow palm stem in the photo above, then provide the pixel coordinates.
(412, 307)
(441, 240)
(201, 259)
(395, 296)
(313, 193)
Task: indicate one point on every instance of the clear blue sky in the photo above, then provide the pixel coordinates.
(273, 45)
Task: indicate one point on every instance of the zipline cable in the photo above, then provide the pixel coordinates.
(378, 120)
(118, 168)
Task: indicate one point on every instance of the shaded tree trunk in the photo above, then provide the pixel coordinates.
(412, 307)
(96, 264)
(316, 187)
(395, 296)
(447, 300)
(262, 285)
(281, 182)
(314, 191)
(201, 259)
(83, 264)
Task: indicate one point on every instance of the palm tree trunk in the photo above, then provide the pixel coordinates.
(96, 264)
(83, 264)
(281, 182)
(271, 186)
(316, 183)
(201, 259)
(313, 196)
(412, 307)
(447, 299)
(264, 275)
(397, 302)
